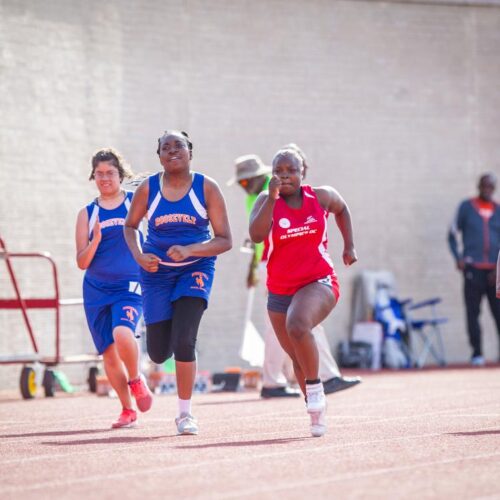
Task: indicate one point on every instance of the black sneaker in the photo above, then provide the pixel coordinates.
(279, 392)
(336, 384)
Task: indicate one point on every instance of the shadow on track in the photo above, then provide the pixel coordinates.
(476, 433)
(109, 440)
(264, 442)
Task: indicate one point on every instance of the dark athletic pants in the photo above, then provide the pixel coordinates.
(477, 283)
(178, 335)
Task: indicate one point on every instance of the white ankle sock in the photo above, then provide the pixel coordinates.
(314, 387)
(184, 406)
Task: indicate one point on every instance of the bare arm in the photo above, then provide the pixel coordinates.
(217, 214)
(261, 217)
(85, 248)
(138, 209)
(331, 200)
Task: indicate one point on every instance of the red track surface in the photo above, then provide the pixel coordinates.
(415, 434)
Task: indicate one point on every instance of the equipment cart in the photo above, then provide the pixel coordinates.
(32, 363)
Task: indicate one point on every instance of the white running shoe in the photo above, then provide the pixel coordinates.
(186, 424)
(318, 423)
(316, 407)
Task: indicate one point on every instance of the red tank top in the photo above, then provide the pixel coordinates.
(297, 245)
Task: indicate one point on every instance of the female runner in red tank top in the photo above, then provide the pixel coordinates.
(302, 284)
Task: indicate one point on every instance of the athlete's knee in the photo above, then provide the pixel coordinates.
(159, 357)
(122, 333)
(158, 341)
(158, 352)
(297, 327)
(186, 357)
(185, 349)
(187, 316)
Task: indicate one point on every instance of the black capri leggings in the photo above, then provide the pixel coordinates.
(178, 335)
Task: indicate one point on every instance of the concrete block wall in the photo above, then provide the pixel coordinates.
(395, 103)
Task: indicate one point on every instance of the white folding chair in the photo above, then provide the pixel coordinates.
(426, 332)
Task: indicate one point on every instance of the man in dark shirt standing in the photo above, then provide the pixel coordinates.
(478, 222)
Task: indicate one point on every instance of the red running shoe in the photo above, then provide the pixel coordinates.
(127, 418)
(143, 396)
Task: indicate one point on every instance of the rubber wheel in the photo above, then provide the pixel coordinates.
(92, 380)
(49, 383)
(27, 382)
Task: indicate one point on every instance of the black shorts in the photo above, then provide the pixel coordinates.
(278, 303)
(281, 303)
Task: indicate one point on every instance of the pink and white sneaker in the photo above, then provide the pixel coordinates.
(143, 396)
(127, 418)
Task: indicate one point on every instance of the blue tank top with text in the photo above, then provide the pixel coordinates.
(112, 260)
(181, 222)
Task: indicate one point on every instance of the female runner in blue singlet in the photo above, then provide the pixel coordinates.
(111, 290)
(177, 260)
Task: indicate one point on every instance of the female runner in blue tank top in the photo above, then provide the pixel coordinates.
(177, 259)
(111, 290)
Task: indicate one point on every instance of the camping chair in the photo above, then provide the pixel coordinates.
(409, 339)
(427, 330)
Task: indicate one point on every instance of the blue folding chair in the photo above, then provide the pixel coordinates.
(389, 312)
(427, 330)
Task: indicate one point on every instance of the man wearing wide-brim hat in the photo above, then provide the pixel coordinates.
(249, 167)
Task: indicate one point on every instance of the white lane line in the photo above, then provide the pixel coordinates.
(264, 415)
(366, 404)
(291, 416)
(210, 463)
(348, 477)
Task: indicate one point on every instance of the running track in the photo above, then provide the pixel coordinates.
(413, 434)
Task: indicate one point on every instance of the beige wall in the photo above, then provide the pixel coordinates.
(395, 103)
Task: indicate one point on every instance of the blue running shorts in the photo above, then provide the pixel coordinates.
(108, 305)
(169, 283)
